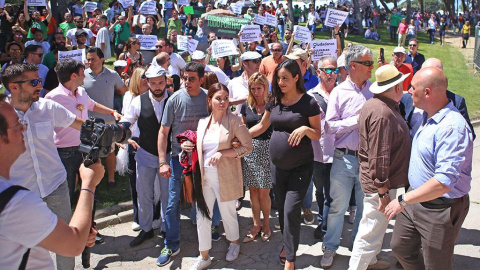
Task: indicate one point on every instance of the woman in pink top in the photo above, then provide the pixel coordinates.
(402, 32)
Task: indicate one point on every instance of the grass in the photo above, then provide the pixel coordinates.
(460, 77)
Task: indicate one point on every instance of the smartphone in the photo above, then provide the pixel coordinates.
(382, 55)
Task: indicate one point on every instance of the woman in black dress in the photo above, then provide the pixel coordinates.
(295, 118)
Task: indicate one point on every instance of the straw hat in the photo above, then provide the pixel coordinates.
(387, 76)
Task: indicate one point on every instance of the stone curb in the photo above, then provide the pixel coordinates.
(476, 123)
(121, 217)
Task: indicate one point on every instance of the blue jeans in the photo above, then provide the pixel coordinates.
(216, 218)
(343, 177)
(281, 29)
(393, 32)
(432, 34)
(71, 159)
(312, 28)
(308, 200)
(172, 216)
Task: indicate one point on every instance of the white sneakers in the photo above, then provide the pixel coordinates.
(135, 226)
(200, 263)
(327, 258)
(233, 251)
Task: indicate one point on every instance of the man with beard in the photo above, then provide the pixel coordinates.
(81, 39)
(146, 110)
(49, 59)
(286, 42)
(67, 24)
(71, 34)
(39, 168)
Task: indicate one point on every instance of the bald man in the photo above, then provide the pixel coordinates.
(163, 60)
(414, 115)
(431, 214)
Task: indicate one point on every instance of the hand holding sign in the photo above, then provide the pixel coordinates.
(37, 3)
(250, 33)
(323, 47)
(302, 34)
(335, 17)
(148, 7)
(223, 47)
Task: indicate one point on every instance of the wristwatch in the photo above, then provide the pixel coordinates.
(401, 201)
(383, 195)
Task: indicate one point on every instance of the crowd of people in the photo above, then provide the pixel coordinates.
(269, 119)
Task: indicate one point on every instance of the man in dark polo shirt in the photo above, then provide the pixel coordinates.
(384, 154)
(414, 58)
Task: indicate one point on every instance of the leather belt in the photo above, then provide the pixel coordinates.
(443, 202)
(349, 152)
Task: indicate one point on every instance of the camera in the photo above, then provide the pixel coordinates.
(96, 138)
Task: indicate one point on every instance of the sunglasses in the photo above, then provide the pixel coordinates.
(158, 46)
(190, 79)
(34, 83)
(39, 54)
(330, 70)
(276, 50)
(15, 51)
(365, 63)
(412, 45)
(256, 61)
(399, 55)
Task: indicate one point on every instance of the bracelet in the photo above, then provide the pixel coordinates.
(384, 195)
(112, 113)
(162, 163)
(86, 189)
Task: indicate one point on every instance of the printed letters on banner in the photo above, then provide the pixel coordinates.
(90, 6)
(148, 7)
(223, 47)
(224, 26)
(223, 2)
(271, 20)
(182, 43)
(168, 4)
(37, 3)
(335, 17)
(302, 33)
(259, 19)
(78, 55)
(126, 3)
(323, 47)
(147, 42)
(250, 33)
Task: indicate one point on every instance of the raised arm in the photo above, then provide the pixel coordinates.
(25, 11)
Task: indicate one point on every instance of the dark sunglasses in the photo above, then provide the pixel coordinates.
(158, 46)
(412, 45)
(330, 70)
(190, 79)
(39, 54)
(365, 63)
(256, 61)
(34, 83)
(15, 50)
(276, 50)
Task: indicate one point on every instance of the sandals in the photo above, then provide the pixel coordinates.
(266, 236)
(283, 259)
(250, 237)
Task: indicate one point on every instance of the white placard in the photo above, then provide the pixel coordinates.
(78, 55)
(223, 47)
(223, 2)
(250, 33)
(323, 47)
(271, 20)
(302, 33)
(182, 43)
(192, 45)
(335, 17)
(2, 3)
(90, 6)
(147, 42)
(168, 4)
(236, 8)
(183, 2)
(143, 19)
(259, 19)
(37, 3)
(126, 3)
(148, 7)
(266, 1)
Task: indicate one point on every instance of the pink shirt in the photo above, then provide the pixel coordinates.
(402, 28)
(79, 105)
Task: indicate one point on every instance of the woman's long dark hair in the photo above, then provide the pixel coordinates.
(294, 69)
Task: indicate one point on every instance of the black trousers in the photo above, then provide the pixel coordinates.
(290, 188)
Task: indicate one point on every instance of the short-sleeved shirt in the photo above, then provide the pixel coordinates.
(402, 28)
(39, 168)
(252, 118)
(45, 46)
(395, 20)
(284, 120)
(64, 26)
(71, 35)
(101, 88)
(122, 33)
(182, 112)
(104, 37)
(24, 223)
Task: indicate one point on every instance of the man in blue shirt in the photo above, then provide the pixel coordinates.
(414, 58)
(431, 214)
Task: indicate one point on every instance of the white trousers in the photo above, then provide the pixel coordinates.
(211, 192)
(371, 231)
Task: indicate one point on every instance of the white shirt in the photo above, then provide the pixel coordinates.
(210, 146)
(103, 37)
(127, 101)
(222, 77)
(238, 89)
(39, 168)
(312, 17)
(44, 44)
(432, 24)
(176, 64)
(71, 35)
(24, 223)
(323, 149)
(133, 112)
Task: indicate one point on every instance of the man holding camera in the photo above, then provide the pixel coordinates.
(41, 230)
(39, 168)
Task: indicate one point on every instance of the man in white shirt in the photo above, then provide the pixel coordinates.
(177, 64)
(71, 33)
(103, 38)
(39, 168)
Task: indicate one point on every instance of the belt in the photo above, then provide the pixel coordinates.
(443, 202)
(71, 149)
(348, 151)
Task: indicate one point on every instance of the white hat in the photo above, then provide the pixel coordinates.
(250, 56)
(298, 53)
(399, 50)
(387, 76)
(120, 63)
(198, 55)
(155, 71)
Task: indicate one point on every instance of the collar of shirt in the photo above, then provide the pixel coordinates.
(355, 87)
(436, 118)
(90, 72)
(67, 91)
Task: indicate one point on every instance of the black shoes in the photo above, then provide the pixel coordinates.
(142, 237)
(99, 239)
(319, 233)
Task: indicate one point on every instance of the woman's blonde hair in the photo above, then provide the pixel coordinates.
(257, 78)
(135, 80)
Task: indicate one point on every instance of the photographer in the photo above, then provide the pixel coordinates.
(31, 227)
(40, 169)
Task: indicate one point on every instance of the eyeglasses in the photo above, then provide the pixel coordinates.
(34, 82)
(158, 46)
(256, 61)
(169, 85)
(136, 43)
(39, 54)
(399, 55)
(22, 123)
(412, 45)
(365, 63)
(190, 79)
(15, 51)
(330, 70)
(276, 50)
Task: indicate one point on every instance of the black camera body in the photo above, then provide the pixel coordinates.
(96, 138)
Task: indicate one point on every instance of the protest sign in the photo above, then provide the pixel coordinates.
(37, 3)
(302, 33)
(148, 7)
(126, 3)
(236, 8)
(271, 20)
(223, 2)
(223, 47)
(323, 47)
(90, 6)
(2, 3)
(335, 17)
(188, 10)
(147, 42)
(250, 33)
(78, 55)
(192, 45)
(182, 43)
(183, 2)
(142, 19)
(259, 19)
(224, 26)
(198, 11)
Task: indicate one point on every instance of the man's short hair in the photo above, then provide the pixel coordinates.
(103, 17)
(66, 68)
(13, 72)
(354, 53)
(3, 120)
(413, 39)
(329, 58)
(31, 49)
(196, 67)
(96, 50)
(167, 41)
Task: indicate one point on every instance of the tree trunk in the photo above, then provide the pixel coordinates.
(464, 5)
(422, 8)
(290, 13)
(409, 11)
(385, 6)
(358, 16)
(448, 6)
(59, 8)
(395, 4)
